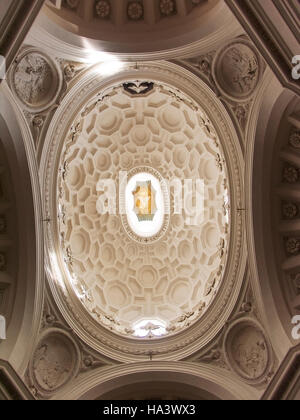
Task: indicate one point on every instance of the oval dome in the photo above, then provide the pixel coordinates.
(124, 290)
(144, 240)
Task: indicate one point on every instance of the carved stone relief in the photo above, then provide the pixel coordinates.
(242, 347)
(59, 356)
(135, 10)
(53, 80)
(290, 210)
(247, 350)
(70, 70)
(241, 113)
(214, 356)
(35, 79)
(90, 360)
(292, 246)
(294, 140)
(55, 361)
(290, 174)
(233, 72)
(103, 9)
(237, 70)
(167, 7)
(203, 64)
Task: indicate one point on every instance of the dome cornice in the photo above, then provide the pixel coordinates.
(197, 336)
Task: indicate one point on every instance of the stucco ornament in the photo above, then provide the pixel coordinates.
(291, 174)
(55, 361)
(292, 246)
(35, 79)
(295, 140)
(248, 351)
(290, 210)
(167, 7)
(103, 9)
(135, 10)
(237, 70)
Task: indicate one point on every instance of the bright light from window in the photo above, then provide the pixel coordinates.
(105, 64)
(96, 57)
(149, 328)
(146, 228)
(109, 68)
(227, 206)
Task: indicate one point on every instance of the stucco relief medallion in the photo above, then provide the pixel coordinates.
(248, 350)
(55, 362)
(35, 80)
(237, 70)
(294, 140)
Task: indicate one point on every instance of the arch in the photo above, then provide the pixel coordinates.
(269, 107)
(27, 305)
(209, 382)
